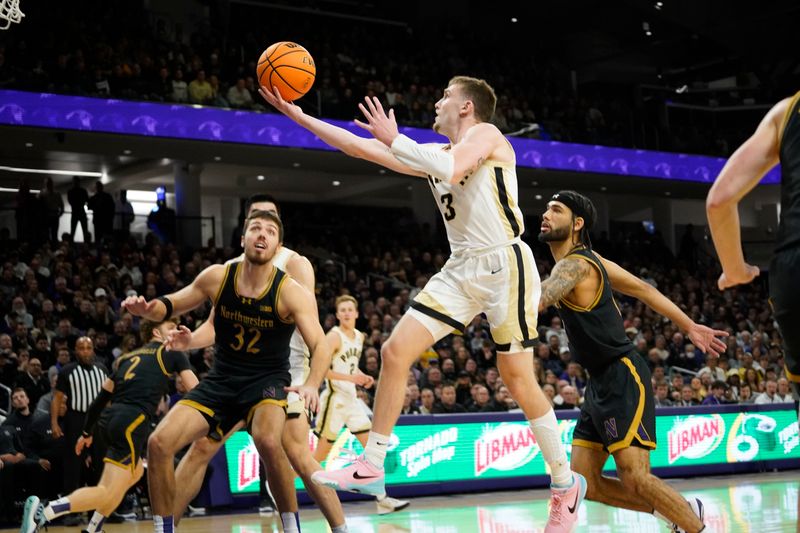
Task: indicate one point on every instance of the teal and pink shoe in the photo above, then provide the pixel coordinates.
(359, 476)
(564, 505)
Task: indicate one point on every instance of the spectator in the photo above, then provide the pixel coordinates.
(124, 215)
(717, 396)
(103, 208)
(409, 408)
(746, 396)
(12, 472)
(499, 402)
(33, 382)
(161, 221)
(78, 198)
(53, 206)
(573, 375)
(21, 415)
(662, 394)
(427, 400)
(180, 91)
(569, 395)
(447, 402)
(770, 394)
(481, 399)
(46, 400)
(200, 91)
(783, 393)
(239, 97)
(712, 362)
(687, 398)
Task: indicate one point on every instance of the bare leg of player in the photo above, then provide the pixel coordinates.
(407, 341)
(366, 475)
(267, 430)
(295, 443)
(633, 468)
(323, 449)
(181, 426)
(192, 470)
(104, 499)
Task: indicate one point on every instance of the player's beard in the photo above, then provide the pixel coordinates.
(554, 235)
(257, 259)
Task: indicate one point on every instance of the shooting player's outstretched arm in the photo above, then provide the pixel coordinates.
(341, 139)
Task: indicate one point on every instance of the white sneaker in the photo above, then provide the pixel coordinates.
(195, 511)
(699, 510)
(390, 505)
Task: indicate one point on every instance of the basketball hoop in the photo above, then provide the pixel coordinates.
(9, 12)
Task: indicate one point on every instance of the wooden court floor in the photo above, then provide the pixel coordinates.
(763, 503)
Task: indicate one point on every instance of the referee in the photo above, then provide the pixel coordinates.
(78, 385)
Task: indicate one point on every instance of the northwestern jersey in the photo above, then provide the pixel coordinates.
(789, 227)
(251, 338)
(345, 361)
(482, 210)
(142, 376)
(596, 333)
(299, 355)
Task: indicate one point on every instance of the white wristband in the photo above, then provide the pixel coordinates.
(429, 159)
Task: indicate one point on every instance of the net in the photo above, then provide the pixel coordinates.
(9, 12)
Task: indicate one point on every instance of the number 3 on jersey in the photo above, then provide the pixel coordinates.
(256, 336)
(450, 212)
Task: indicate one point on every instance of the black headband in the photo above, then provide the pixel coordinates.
(570, 202)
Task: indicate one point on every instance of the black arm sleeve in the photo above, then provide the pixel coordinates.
(93, 414)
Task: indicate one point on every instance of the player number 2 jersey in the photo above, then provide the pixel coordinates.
(482, 210)
(345, 361)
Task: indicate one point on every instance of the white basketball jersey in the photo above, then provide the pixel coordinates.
(345, 361)
(481, 211)
(299, 356)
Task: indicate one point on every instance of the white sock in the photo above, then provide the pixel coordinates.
(340, 529)
(96, 523)
(291, 522)
(380, 497)
(163, 524)
(375, 451)
(57, 508)
(548, 436)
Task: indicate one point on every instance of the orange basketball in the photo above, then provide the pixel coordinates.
(287, 66)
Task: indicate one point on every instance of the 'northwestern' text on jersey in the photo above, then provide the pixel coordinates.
(251, 337)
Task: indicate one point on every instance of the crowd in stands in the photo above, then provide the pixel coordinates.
(122, 51)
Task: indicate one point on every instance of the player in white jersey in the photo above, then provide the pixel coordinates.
(490, 271)
(191, 470)
(340, 407)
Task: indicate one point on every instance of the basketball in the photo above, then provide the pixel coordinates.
(287, 66)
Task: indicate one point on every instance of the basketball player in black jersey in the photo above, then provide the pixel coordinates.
(257, 307)
(776, 140)
(618, 413)
(138, 383)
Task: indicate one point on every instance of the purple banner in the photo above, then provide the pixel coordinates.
(224, 125)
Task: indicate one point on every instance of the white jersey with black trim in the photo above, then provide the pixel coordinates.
(345, 361)
(482, 210)
(299, 355)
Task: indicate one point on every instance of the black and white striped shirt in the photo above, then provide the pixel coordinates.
(81, 384)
